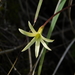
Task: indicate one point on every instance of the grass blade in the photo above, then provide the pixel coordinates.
(37, 11)
(54, 20)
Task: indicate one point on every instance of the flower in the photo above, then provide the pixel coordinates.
(38, 38)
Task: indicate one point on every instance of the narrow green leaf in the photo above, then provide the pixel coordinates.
(53, 23)
(37, 11)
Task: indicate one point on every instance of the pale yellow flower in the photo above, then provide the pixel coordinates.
(38, 38)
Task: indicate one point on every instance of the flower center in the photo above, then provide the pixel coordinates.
(37, 36)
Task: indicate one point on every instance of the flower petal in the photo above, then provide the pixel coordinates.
(26, 33)
(29, 44)
(41, 29)
(37, 47)
(47, 40)
(31, 27)
(45, 45)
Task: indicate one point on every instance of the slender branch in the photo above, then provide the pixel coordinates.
(10, 50)
(12, 66)
(30, 59)
(69, 15)
(37, 62)
(57, 13)
(23, 10)
(63, 56)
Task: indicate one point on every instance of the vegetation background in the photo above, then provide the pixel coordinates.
(15, 14)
